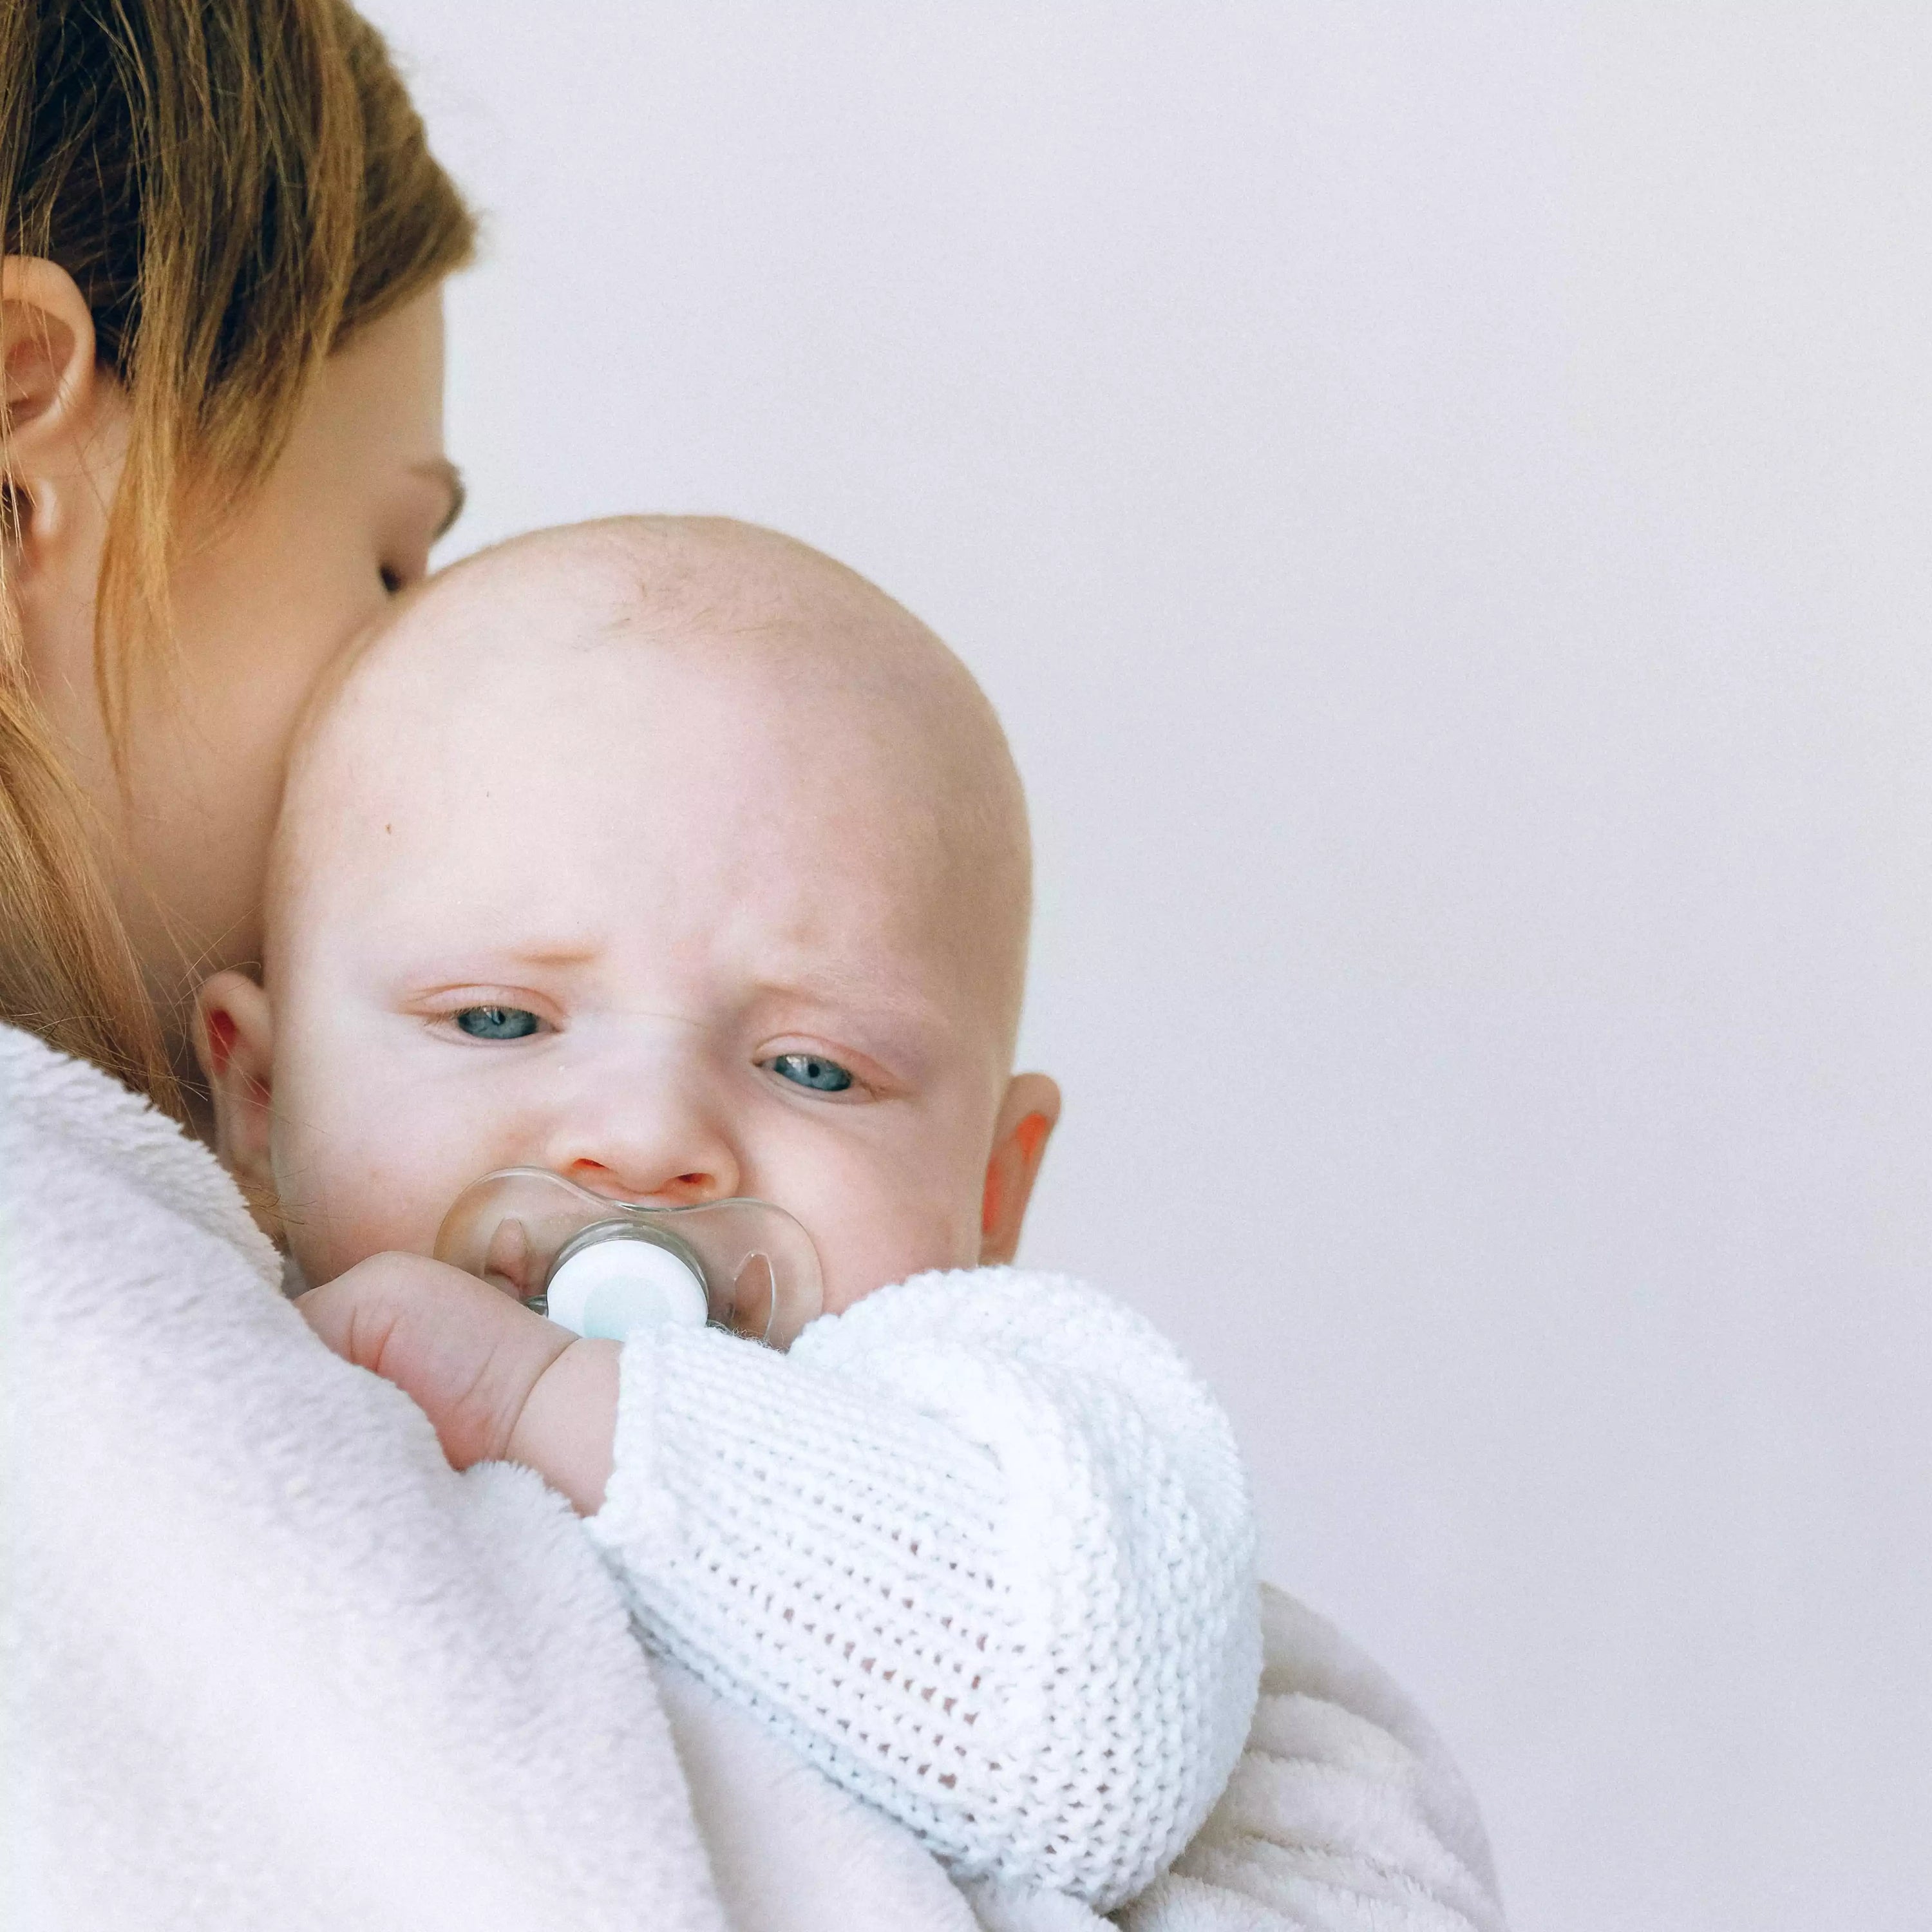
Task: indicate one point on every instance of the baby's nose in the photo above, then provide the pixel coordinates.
(656, 1150)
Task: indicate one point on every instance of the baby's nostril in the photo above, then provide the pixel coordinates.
(642, 1184)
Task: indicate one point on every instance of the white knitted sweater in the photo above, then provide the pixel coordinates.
(979, 1548)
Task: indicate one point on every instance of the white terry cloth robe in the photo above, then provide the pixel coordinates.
(266, 1662)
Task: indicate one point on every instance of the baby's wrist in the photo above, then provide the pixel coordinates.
(568, 1426)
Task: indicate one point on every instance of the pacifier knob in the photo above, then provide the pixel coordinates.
(616, 1283)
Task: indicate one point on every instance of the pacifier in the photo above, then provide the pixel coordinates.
(603, 1268)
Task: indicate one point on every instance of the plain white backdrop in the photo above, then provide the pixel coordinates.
(1442, 497)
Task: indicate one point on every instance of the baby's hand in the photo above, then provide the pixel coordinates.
(499, 1382)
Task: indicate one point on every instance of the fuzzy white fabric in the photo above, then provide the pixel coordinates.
(1344, 1814)
(790, 1851)
(268, 1661)
(979, 1548)
(268, 1665)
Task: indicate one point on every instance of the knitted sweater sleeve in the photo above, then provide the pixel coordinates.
(979, 1548)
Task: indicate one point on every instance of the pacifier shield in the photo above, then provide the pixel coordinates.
(583, 1259)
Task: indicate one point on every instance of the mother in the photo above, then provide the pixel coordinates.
(267, 1660)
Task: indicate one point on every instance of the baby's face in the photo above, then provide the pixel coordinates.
(678, 920)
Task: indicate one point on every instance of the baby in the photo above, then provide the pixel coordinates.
(673, 857)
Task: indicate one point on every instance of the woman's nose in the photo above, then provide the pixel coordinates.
(653, 1146)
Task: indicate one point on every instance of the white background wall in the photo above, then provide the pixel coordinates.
(1442, 497)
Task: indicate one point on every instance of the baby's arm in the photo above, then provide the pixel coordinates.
(980, 1547)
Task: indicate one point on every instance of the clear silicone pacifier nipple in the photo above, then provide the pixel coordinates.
(603, 1267)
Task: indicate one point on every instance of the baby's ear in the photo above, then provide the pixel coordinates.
(234, 1041)
(1026, 1117)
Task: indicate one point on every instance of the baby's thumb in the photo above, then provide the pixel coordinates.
(463, 1351)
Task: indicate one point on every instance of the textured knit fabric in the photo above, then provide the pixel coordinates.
(979, 1548)
(1344, 1814)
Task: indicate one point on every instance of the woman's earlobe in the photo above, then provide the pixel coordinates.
(1027, 1119)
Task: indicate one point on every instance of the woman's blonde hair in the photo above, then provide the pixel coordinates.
(235, 185)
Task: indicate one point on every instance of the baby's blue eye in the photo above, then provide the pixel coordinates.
(497, 1022)
(807, 1070)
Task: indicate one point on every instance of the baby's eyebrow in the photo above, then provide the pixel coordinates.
(552, 954)
(908, 1016)
(459, 963)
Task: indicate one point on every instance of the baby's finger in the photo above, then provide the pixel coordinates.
(466, 1353)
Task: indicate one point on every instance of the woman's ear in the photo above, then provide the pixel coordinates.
(234, 1041)
(1027, 1116)
(59, 475)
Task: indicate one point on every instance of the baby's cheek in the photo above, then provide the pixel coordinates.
(347, 1192)
(339, 1211)
(895, 1241)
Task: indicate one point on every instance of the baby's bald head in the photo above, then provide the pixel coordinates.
(668, 855)
(749, 652)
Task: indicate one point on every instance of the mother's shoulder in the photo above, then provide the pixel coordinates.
(77, 1146)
